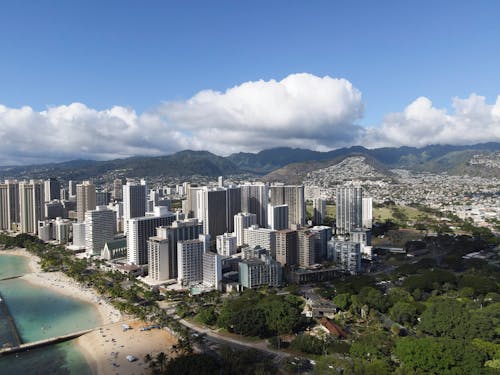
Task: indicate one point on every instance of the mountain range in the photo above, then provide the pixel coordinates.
(475, 160)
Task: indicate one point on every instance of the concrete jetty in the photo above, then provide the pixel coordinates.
(10, 320)
(44, 342)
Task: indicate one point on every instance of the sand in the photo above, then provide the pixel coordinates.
(106, 349)
(65, 285)
(108, 344)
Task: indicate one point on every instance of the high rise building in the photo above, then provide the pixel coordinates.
(85, 199)
(346, 254)
(134, 201)
(9, 204)
(260, 271)
(367, 212)
(319, 211)
(118, 189)
(191, 203)
(287, 251)
(102, 198)
(100, 225)
(190, 262)
(79, 235)
(306, 248)
(31, 207)
(53, 209)
(183, 230)
(263, 237)
(349, 209)
(254, 199)
(72, 188)
(233, 206)
(63, 229)
(243, 220)
(52, 189)
(212, 270)
(140, 229)
(159, 259)
(293, 196)
(278, 217)
(212, 210)
(226, 244)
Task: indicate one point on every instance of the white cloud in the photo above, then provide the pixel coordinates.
(421, 124)
(302, 110)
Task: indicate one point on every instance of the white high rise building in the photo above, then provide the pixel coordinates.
(226, 244)
(263, 237)
(100, 225)
(349, 209)
(212, 270)
(79, 235)
(134, 201)
(190, 262)
(31, 205)
(367, 212)
(278, 217)
(242, 221)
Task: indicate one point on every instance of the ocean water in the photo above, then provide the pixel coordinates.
(41, 313)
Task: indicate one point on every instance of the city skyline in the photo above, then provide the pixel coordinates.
(148, 80)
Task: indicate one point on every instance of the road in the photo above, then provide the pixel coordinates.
(218, 339)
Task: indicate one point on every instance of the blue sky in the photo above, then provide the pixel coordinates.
(141, 54)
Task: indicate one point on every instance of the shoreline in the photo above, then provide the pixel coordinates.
(106, 349)
(63, 284)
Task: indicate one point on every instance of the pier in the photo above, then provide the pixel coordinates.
(11, 322)
(44, 342)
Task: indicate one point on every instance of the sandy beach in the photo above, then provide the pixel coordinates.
(106, 349)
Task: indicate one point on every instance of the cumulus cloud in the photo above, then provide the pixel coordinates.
(471, 121)
(301, 110)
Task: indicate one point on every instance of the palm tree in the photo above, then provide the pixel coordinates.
(161, 360)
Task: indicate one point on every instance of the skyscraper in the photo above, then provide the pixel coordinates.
(293, 196)
(134, 202)
(118, 189)
(212, 210)
(367, 212)
(138, 233)
(190, 261)
(9, 204)
(100, 225)
(278, 217)
(182, 230)
(287, 251)
(319, 211)
(85, 199)
(243, 220)
(263, 237)
(349, 209)
(52, 189)
(31, 205)
(254, 199)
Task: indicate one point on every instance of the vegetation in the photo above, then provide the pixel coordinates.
(259, 314)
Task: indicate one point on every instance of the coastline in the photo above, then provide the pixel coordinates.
(62, 284)
(106, 349)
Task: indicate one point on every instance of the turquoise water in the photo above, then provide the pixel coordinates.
(41, 313)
